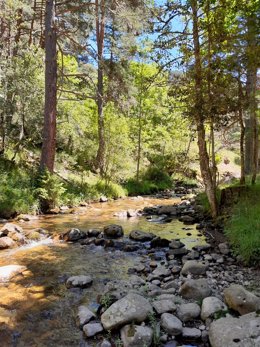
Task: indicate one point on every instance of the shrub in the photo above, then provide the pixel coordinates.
(50, 189)
(17, 193)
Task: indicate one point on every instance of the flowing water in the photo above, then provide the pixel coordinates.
(36, 309)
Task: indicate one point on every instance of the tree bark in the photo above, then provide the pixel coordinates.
(100, 32)
(50, 108)
(242, 133)
(199, 116)
(251, 123)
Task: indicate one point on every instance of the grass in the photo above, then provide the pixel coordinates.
(243, 228)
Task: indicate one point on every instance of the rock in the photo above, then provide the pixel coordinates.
(26, 217)
(136, 336)
(93, 232)
(105, 343)
(236, 332)
(6, 242)
(202, 248)
(240, 299)
(210, 306)
(131, 308)
(92, 329)
(187, 220)
(165, 305)
(17, 237)
(113, 231)
(10, 227)
(9, 271)
(178, 253)
(141, 236)
(84, 315)
(167, 209)
(103, 199)
(33, 235)
(131, 213)
(194, 267)
(158, 242)
(171, 324)
(175, 244)
(79, 281)
(161, 271)
(130, 248)
(195, 289)
(224, 248)
(191, 333)
(74, 235)
(187, 312)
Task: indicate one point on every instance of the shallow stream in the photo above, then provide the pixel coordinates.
(36, 309)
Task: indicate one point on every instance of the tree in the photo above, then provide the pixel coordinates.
(50, 107)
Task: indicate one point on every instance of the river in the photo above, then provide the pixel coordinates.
(36, 308)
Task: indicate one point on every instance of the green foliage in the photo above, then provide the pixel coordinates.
(151, 181)
(110, 189)
(203, 201)
(51, 189)
(16, 192)
(157, 176)
(156, 329)
(106, 301)
(243, 227)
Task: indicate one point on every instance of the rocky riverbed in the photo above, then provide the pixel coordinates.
(138, 289)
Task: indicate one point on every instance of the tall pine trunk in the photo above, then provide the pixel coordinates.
(50, 108)
(199, 117)
(251, 123)
(100, 32)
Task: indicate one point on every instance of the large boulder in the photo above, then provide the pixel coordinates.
(210, 306)
(6, 242)
(141, 236)
(79, 281)
(136, 336)
(131, 308)
(236, 332)
(113, 231)
(171, 324)
(241, 300)
(194, 267)
(10, 227)
(195, 289)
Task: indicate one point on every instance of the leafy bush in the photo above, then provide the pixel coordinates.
(51, 189)
(16, 193)
(157, 176)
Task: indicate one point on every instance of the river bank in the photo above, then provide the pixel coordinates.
(174, 274)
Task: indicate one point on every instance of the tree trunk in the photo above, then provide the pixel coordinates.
(242, 133)
(139, 146)
(199, 117)
(50, 109)
(100, 31)
(251, 124)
